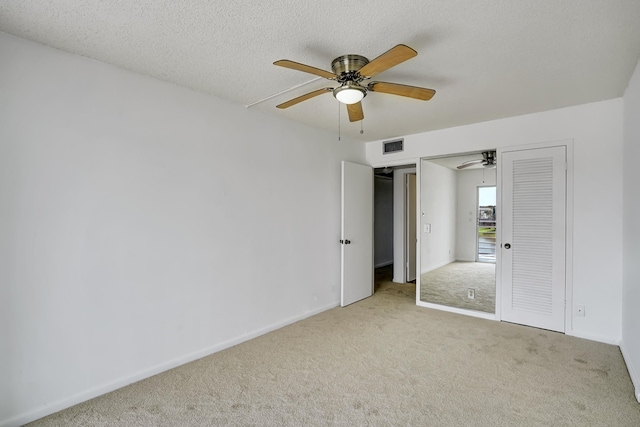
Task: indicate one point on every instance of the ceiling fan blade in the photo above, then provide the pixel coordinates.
(355, 112)
(415, 92)
(304, 97)
(390, 58)
(306, 68)
(470, 163)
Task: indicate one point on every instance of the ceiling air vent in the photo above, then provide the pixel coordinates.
(392, 146)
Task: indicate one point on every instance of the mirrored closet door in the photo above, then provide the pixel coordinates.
(458, 231)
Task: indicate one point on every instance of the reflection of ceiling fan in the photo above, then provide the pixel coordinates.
(350, 71)
(488, 161)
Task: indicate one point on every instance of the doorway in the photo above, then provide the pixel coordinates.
(486, 225)
(382, 219)
(391, 223)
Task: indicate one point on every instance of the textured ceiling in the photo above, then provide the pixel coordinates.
(486, 59)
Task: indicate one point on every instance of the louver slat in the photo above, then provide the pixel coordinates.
(532, 240)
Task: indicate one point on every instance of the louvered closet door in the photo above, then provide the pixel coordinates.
(533, 237)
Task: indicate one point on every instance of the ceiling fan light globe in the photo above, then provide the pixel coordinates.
(349, 94)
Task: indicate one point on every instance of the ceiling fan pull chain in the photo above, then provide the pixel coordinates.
(339, 121)
(361, 131)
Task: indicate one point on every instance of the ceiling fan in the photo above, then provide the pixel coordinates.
(350, 71)
(488, 160)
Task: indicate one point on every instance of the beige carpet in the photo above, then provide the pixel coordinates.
(382, 362)
(448, 286)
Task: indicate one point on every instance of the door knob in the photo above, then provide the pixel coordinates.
(347, 242)
(507, 245)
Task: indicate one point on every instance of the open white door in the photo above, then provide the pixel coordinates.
(357, 233)
(533, 237)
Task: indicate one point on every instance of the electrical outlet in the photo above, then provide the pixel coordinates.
(579, 311)
(471, 293)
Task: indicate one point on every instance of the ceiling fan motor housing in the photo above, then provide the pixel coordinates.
(346, 67)
(489, 157)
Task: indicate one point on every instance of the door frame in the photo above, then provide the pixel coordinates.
(408, 238)
(568, 144)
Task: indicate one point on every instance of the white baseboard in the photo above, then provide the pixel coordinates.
(67, 402)
(595, 337)
(633, 370)
(471, 313)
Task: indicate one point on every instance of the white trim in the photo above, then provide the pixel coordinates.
(569, 242)
(595, 337)
(543, 144)
(405, 162)
(635, 377)
(418, 228)
(472, 313)
(405, 227)
(498, 237)
(405, 217)
(67, 402)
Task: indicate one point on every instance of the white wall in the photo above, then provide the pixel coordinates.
(383, 221)
(596, 130)
(468, 181)
(631, 267)
(145, 225)
(438, 208)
